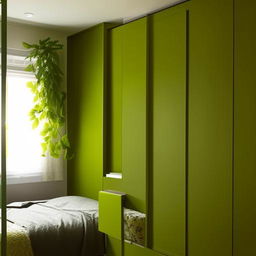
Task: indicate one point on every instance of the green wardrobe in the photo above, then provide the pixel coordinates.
(169, 102)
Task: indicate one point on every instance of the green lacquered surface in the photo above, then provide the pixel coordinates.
(85, 111)
(133, 38)
(245, 127)
(111, 214)
(113, 246)
(134, 111)
(210, 128)
(169, 130)
(115, 101)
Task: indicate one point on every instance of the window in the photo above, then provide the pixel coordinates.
(23, 153)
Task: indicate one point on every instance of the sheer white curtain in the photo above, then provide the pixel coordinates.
(24, 160)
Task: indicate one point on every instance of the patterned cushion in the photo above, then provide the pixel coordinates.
(134, 226)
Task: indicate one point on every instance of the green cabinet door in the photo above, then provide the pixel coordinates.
(134, 122)
(210, 128)
(111, 214)
(168, 66)
(128, 82)
(245, 129)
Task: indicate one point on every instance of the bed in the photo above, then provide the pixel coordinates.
(66, 226)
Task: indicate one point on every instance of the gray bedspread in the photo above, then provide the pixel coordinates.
(65, 226)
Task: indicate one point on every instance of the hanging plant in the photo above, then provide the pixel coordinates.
(48, 111)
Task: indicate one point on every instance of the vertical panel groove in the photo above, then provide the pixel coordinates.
(105, 102)
(149, 138)
(187, 133)
(233, 133)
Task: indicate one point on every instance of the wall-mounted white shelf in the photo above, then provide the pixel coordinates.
(114, 175)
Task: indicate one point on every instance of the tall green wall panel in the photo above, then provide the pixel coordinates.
(245, 127)
(168, 73)
(131, 65)
(134, 128)
(210, 128)
(85, 111)
(113, 100)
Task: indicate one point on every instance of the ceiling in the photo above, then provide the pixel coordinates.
(72, 16)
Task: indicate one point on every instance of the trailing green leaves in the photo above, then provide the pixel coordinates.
(48, 111)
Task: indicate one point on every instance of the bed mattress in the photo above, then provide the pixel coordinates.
(66, 226)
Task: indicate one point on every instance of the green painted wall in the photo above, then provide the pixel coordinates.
(168, 77)
(129, 61)
(245, 127)
(85, 111)
(210, 128)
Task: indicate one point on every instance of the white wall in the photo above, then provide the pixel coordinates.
(16, 34)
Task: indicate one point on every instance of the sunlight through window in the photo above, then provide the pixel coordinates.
(23, 143)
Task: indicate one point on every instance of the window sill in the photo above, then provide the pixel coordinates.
(11, 179)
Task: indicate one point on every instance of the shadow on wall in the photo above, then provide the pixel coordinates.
(35, 191)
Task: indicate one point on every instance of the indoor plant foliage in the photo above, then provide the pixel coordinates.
(49, 100)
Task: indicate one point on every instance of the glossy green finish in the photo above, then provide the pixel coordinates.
(132, 38)
(210, 128)
(245, 127)
(169, 130)
(85, 111)
(114, 101)
(111, 214)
